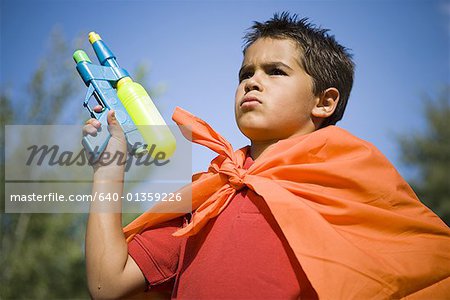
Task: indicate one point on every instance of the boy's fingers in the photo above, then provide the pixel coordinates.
(89, 129)
(94, 122)
(98, 108)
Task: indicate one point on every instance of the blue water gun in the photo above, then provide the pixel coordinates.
(112, 87)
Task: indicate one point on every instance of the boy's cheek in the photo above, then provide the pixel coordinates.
(239, 92)
(249, 120)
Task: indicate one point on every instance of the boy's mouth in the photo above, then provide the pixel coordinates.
(249, 101)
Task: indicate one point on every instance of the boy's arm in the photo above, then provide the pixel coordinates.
(111, 272)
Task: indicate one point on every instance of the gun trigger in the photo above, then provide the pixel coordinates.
(89, 93)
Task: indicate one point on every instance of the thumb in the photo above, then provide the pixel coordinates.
(113, 124)
(112, 120)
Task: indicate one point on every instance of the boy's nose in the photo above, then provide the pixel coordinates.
(252, 84)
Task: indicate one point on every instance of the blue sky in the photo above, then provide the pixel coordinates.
(401, 51)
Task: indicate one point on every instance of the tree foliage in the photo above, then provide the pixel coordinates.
(429, 153)
(42, 255)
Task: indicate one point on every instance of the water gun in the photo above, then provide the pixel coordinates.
(145, 130)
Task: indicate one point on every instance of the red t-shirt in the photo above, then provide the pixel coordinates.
(241, 254)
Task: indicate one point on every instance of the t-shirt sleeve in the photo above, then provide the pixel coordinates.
(157, 252)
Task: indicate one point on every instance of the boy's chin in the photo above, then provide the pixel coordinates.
(259, 131)
(256, 134)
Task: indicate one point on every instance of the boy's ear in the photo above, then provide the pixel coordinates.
(326, 103)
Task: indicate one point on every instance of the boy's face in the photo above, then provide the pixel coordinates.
(274, 98)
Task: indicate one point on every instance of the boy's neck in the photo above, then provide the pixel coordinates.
(258, 148)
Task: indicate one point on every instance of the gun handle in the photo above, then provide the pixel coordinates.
(135, 141)
(95, 145)
(106, 96)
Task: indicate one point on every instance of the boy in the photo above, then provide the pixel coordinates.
(301, 213)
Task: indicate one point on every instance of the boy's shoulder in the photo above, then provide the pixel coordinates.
(332, 140)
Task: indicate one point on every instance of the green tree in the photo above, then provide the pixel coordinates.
(42, 255)
(429, 153)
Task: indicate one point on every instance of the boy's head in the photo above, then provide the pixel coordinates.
(289, 58)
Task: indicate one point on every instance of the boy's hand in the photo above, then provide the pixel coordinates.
(117, 276)
(117, 144)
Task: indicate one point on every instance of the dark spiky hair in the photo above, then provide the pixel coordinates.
(322, 57)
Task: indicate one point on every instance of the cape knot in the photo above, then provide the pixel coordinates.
(235, 174)
(237, 182)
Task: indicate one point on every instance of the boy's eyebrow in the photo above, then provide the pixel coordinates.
(275, 64)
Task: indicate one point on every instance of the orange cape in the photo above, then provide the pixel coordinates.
(355, 226)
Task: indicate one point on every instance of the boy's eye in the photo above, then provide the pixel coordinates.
(277, 72)
(244, 76)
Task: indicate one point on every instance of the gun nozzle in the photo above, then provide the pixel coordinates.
(80, 56)
(93, 37)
